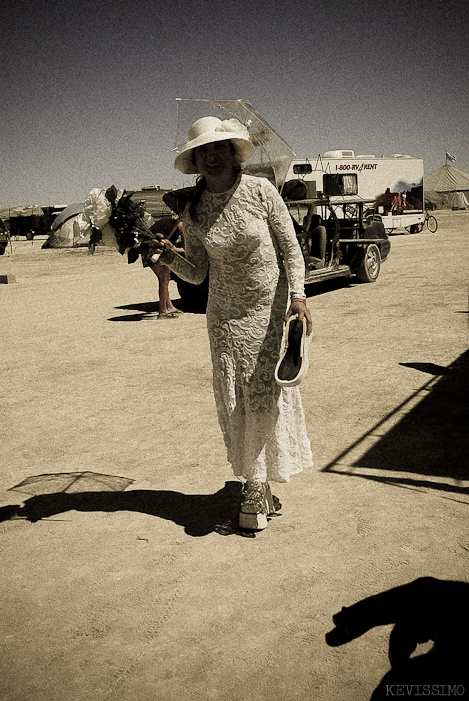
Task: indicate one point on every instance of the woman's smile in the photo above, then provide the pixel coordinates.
(215, 162)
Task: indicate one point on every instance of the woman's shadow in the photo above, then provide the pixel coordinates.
(199, 514)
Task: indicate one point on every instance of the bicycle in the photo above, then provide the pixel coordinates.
(430, 222)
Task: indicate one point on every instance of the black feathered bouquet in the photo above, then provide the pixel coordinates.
(111, 216)
(130, 221)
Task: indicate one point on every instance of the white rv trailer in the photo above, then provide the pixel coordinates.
(394, 183)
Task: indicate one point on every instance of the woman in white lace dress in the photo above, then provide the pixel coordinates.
(239, 226)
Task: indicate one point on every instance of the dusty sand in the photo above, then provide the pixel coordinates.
(148, 593)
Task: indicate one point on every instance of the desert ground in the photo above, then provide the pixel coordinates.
(142, 587)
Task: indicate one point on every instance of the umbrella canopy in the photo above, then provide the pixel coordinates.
(272, 156)
(72, 482)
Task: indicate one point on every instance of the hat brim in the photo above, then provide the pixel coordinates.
(243, 149)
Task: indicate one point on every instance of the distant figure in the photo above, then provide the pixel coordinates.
(396, 207)
(166, 308)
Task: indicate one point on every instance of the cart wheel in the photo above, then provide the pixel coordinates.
(415, 228)
(370, 265)
(432, 224)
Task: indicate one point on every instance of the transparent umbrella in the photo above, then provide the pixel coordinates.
(272, 156)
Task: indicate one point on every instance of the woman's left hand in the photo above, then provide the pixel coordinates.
(299, 307)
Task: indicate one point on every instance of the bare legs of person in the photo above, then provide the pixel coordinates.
(166, 308)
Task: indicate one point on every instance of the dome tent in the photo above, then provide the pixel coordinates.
(62, 232)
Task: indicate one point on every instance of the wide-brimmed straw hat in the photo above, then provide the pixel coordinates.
(209, 129)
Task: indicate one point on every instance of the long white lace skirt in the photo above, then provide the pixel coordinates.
(263, 425)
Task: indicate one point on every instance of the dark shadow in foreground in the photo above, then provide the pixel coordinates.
(431, 440)
(199, 514)
(426, 609)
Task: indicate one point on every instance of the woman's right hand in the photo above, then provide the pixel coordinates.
(162, 249)
(161, 245)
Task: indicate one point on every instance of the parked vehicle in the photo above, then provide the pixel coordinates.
(393, 185)
(32, 222)
(336, 239)
(4, 237)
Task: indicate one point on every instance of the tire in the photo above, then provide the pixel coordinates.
(317, 242)
(432, 224)
(370, 264)
(415, 228)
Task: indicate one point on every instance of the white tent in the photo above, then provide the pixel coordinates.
(457, 200)
(63, 232)
(448, 186)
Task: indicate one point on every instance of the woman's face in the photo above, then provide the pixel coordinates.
(216, 160)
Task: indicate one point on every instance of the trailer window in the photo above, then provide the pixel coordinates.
(302, 168)
(350, 184)
(340, 184)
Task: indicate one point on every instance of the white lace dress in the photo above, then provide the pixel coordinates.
(246, 237)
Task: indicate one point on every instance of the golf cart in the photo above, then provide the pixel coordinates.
(337, 240)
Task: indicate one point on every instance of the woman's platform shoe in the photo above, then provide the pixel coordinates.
(293, 364)
(257, 505)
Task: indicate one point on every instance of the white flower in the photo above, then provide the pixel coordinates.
(97, 208)
(234, 125)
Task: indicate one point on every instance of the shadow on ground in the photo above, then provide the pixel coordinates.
(199, 514)
(315, 289)
(424, 610)
(150, 310)
(430, 440)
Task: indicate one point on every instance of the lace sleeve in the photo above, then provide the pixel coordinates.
(281, 225)
(196, 254)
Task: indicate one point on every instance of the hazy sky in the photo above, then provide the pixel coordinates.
(88, 88)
